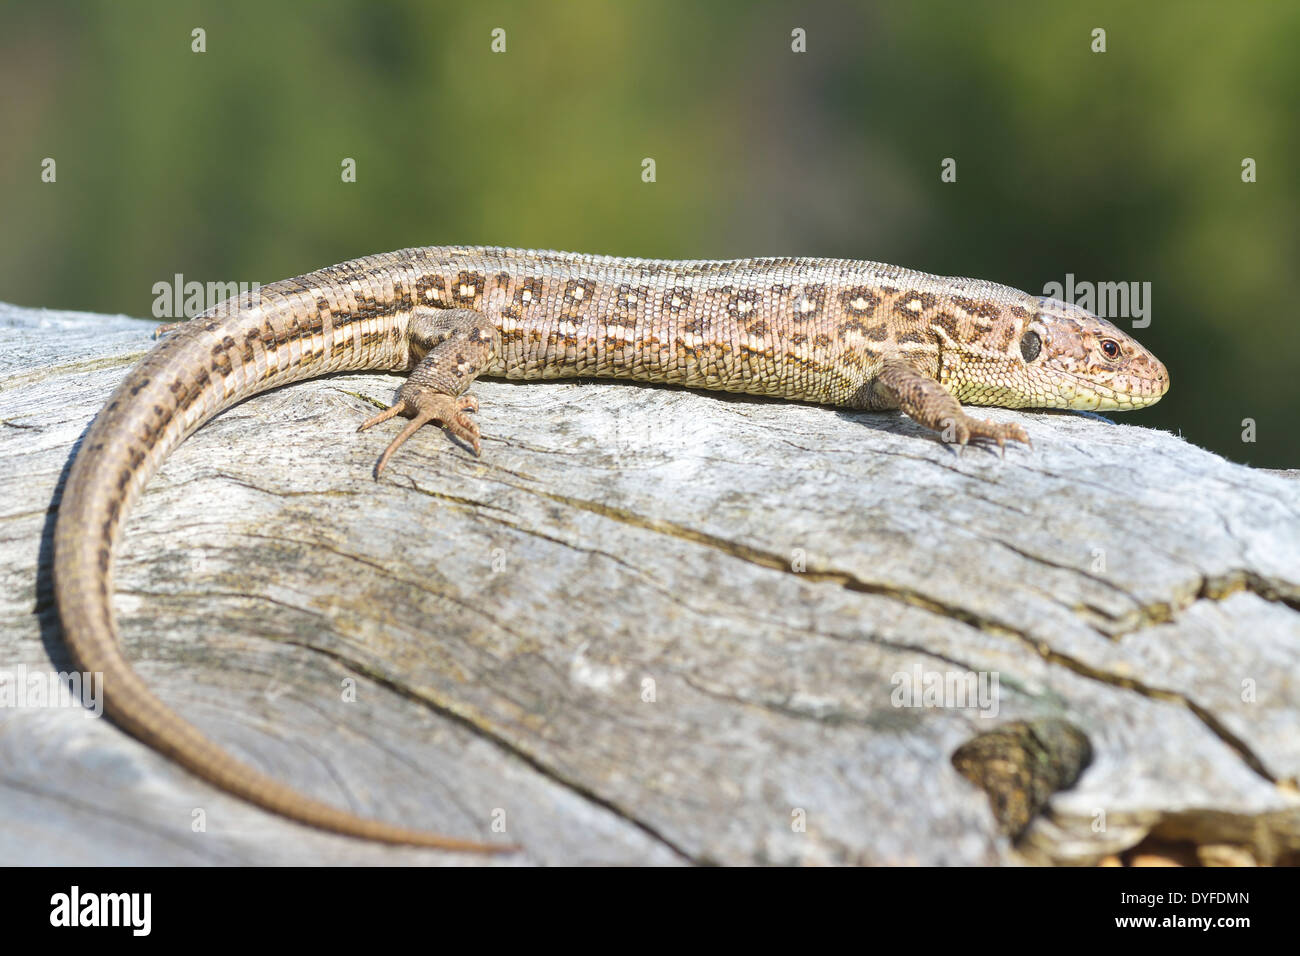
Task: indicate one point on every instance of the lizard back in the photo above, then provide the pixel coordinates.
(796, 328)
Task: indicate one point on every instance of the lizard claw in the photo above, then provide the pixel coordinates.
(966, 430)
(991, 431)
(425, 407)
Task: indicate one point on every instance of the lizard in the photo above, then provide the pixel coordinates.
(835, 332)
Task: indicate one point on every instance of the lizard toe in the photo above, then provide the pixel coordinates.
(986, 430)
(423, 407)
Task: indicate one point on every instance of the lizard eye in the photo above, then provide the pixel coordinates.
(1111, 348)
(1030, 346)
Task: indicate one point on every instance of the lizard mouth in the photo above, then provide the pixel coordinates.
(1083, 394)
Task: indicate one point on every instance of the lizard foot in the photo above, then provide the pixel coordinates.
(422, 408)
(966, 429)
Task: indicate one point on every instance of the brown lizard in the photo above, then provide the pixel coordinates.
(835, 332)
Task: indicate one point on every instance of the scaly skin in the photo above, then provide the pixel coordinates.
(834, 332)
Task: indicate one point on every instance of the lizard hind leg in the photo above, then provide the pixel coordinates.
(457, 345)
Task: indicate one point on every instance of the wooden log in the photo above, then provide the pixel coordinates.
(653, 626)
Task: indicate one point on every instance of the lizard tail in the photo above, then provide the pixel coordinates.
(143, 421)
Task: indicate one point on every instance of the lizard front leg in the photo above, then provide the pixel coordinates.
(457, 345)
(927, 402)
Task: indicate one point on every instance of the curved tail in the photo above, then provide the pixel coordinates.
(178, 386)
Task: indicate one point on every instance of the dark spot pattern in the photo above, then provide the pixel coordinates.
(220, 360)
(859, 301)
(743, 305)
(579, 291)
(815, 298)
(533, 287)
(698, 323)
(430, 282)
(908, 304)
(252, 338)
(467, 280)
(979, 307)
(946, 321)
(679, 295)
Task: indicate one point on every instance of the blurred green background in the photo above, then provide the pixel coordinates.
(1115, 166)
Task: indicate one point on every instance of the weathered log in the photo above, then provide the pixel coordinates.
(653, 626)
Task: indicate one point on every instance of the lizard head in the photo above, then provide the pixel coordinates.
(1056, 355)
(1083, 361)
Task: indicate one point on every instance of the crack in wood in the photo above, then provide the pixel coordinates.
(914, 598)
